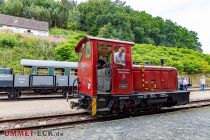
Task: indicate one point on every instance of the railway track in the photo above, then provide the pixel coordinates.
(41, 122)
(67, 120)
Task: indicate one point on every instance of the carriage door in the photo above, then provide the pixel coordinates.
(122, 75)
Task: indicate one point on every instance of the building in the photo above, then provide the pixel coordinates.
(23, 25)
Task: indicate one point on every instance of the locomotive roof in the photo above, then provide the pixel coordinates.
(48, 63)
(85, 39)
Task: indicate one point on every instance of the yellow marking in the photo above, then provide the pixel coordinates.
(146, 88)
(155, 86)
(152, 89)
(142, 80)
(93, 106)
(146, 82)
(152, 82)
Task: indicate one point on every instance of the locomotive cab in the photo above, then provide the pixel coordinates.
(99, 73)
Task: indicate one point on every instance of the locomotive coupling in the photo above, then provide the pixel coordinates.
(74, 104)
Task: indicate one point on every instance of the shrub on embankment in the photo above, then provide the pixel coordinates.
(14, 47)
(187, 61)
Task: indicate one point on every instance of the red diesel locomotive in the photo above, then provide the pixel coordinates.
(109, 83)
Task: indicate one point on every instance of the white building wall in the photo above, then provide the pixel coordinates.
(24, 30)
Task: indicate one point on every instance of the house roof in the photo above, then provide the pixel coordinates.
(23, 23)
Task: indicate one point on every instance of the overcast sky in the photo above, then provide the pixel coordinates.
(192, 14)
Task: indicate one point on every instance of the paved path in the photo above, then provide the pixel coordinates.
(15, 109)
(199, 96)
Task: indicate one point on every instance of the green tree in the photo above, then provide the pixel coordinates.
(13, 7)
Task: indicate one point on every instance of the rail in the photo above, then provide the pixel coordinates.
(41, 122)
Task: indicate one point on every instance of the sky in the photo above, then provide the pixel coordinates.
(192, 14)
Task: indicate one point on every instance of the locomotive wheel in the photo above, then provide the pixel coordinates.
(13, 95)
(115, 110)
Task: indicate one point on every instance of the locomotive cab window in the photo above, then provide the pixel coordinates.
(119, 56)
(81, 52)
(104, 55)
(87, 50)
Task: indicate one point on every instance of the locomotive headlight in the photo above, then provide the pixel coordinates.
(89, 84)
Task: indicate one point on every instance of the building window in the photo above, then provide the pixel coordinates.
(29, 31)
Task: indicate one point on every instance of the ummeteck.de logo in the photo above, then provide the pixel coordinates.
(28, 133)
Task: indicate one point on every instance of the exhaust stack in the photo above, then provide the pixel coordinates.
(161, 61)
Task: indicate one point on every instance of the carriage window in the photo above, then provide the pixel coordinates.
(59, 71)
(73, 72)
(119, 55)
(42, 71)
(87, 50)
(5, 71)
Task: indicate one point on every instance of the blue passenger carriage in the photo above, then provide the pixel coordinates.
(39, 76)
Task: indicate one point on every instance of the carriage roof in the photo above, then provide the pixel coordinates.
(48, 63)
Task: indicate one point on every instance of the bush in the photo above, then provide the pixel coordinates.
(8, 40)
(23, 47)
(185, 60)
(65, 51)
(69, 34)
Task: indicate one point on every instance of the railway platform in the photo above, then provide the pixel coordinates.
(199, 96)
(31, 108)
